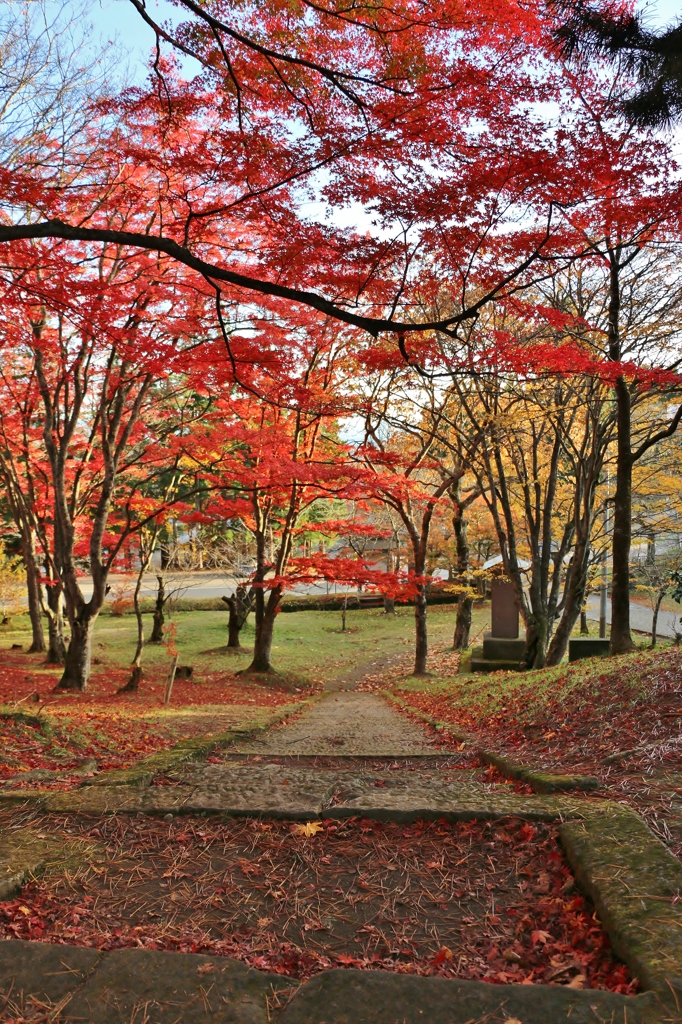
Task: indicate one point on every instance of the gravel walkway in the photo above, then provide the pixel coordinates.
(360, 724)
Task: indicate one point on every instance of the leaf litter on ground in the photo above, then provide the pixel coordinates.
(492, 901)
(619, 719)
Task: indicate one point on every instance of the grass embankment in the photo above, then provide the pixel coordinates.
(616, 718)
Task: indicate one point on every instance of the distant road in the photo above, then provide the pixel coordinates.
(197, 584)
(215, 584)
(640, 617)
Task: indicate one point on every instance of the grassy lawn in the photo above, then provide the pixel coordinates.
(307, 645)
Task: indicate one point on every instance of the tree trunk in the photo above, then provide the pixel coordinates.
(584, 628)
(576, 585)
(159, 618)
(389, 605)
(233, 631)
(465, 601)
(56, 651)
(537, 636)
(421, 647)
(133, 684)
(240, 605)
(621, 640)
(654, 621)
(465, 605)
(77, 663)
(264, 632)
(34, 598)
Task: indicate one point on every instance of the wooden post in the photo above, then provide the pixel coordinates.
(171, 680)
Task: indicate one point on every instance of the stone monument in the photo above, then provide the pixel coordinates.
(503, 647)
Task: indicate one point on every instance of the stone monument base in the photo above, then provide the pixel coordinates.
(498, 653)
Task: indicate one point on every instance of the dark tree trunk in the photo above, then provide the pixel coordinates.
(465, 601)
(576, 585)
(240, 605)
(584, 628)
(34, 598)
(621, 639)
(265, 625)
(389, 605)
(159, 617)
(421, 647)
(461, 639)
(233, 630)
(537, 637)
(78, 654)
(56, 651)
(133, 684)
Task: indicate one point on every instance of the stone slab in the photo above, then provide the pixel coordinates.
(431, 798)
(96, 800)
(635, 883)
(46, 972)
(132, 986)
(274, 790)
(281, 791)
(504, 611)
(588, 647)
(268, 790)
(21, 854)
(497, 648)
(481, 664)
(375, 997)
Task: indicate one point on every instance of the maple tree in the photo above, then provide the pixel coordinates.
(411, 471)
(270, 453)
(430, 123)
(92, 330)
(630, 222)
(28, 497)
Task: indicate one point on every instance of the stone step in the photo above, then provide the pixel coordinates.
(127, 985)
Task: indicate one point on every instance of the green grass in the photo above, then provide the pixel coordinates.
(579, 682)
(308, 645)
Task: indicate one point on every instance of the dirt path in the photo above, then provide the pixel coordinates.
(349, 680)
(345, 722)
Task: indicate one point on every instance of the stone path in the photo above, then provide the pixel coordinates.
(344, 722)
(351, 754)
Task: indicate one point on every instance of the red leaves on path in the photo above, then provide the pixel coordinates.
(490, 901)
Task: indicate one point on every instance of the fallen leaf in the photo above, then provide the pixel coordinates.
(311, 828)
(577, 982)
